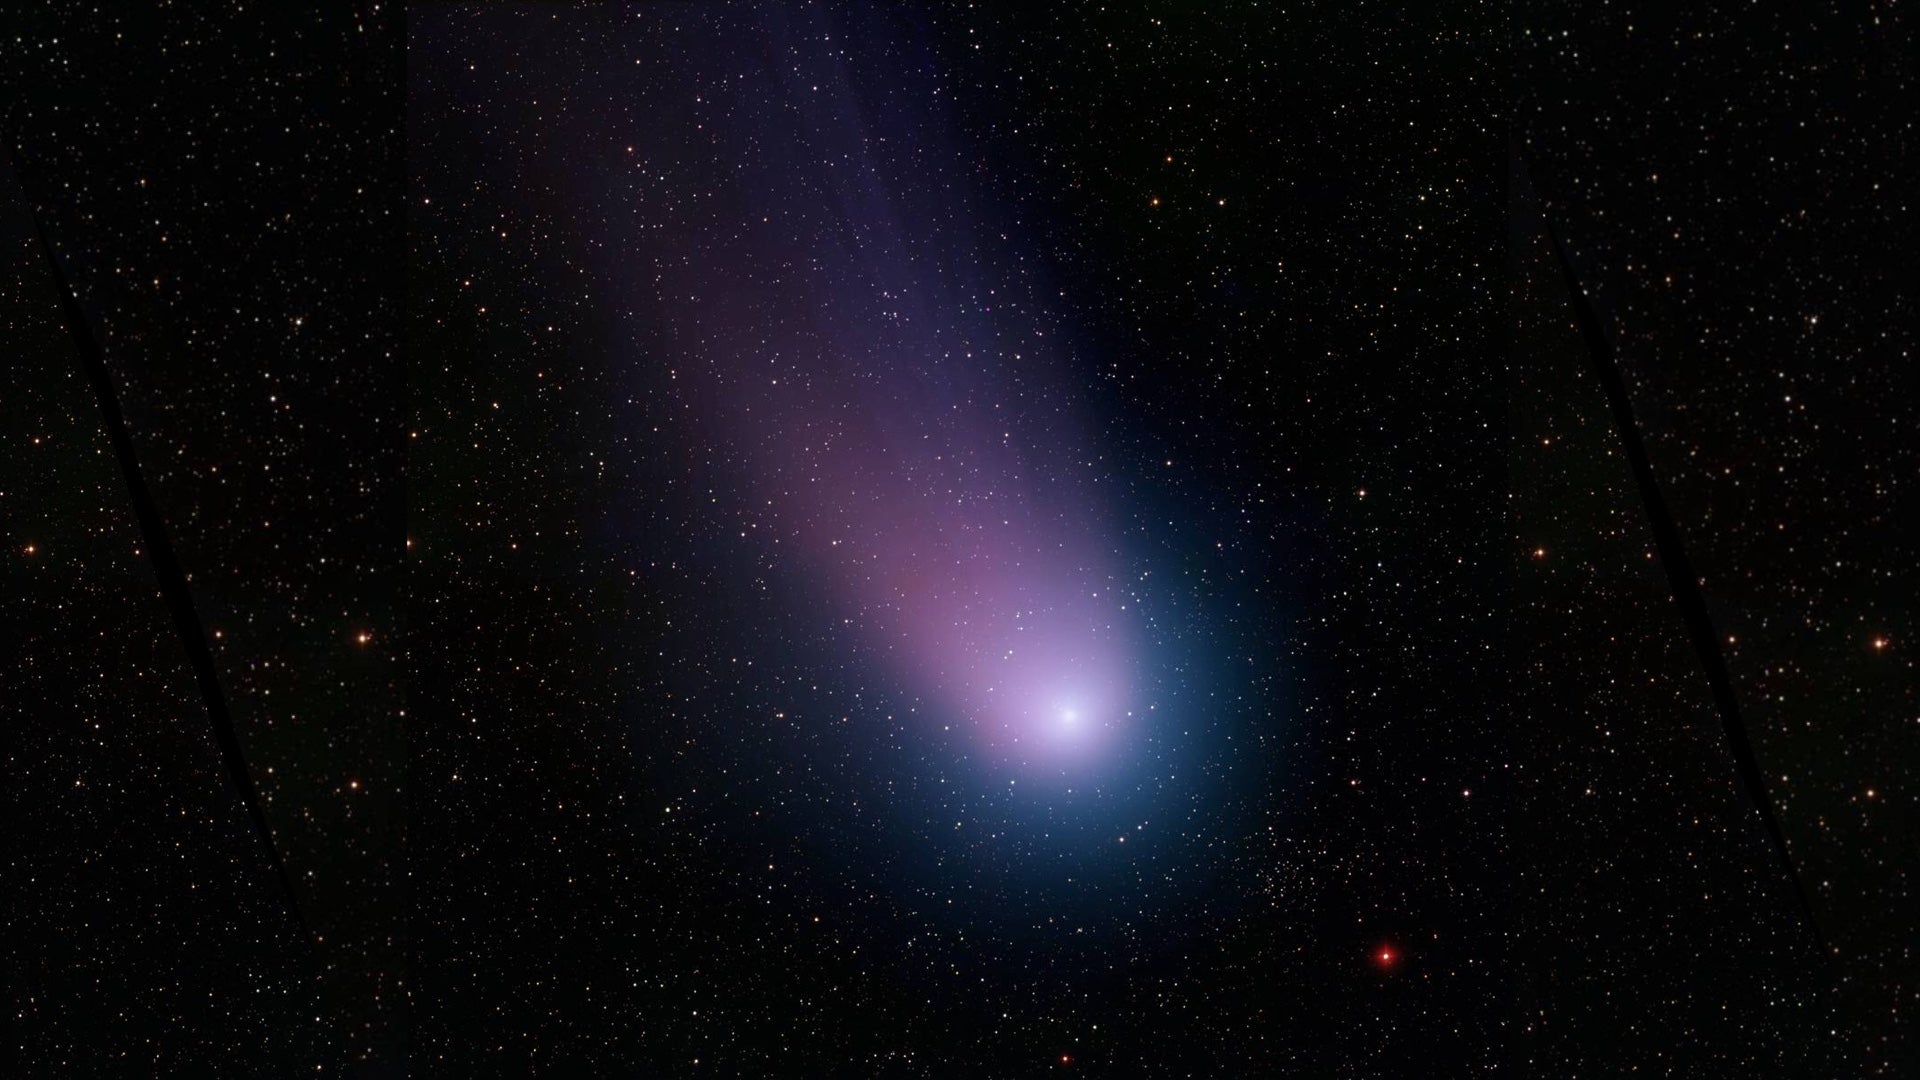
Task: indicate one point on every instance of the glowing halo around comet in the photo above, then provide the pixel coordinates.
(1049, 687)
(911, 576)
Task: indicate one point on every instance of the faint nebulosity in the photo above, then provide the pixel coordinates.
(990, 540)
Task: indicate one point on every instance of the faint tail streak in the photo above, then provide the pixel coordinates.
(1680, 573)
(166, 567)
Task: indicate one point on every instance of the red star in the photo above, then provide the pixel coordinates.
(1385, 957)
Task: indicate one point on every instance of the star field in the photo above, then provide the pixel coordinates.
(959, 540)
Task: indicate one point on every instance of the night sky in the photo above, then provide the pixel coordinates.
(961, 540)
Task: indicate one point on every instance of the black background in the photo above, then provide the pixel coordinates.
(1343, 288)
